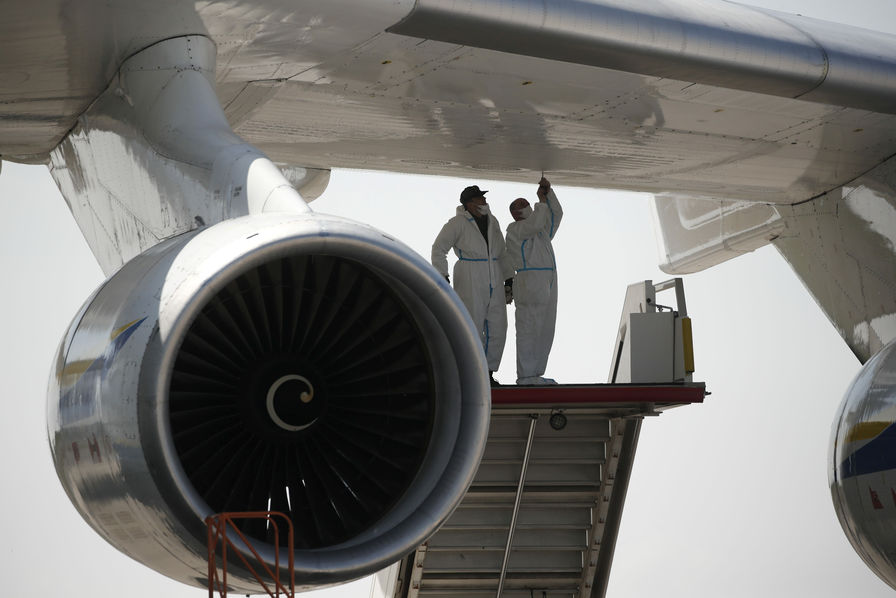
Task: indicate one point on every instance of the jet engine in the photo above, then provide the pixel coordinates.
(862, 464)
(295, 363)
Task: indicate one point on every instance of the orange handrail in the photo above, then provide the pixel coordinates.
(218, 533)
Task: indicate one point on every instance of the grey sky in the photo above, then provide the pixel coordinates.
(728, 498)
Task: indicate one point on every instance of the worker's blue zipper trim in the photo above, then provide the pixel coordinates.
(460, 256)
(526, 268)
(552, 219)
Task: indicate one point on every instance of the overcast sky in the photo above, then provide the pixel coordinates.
(728, 498)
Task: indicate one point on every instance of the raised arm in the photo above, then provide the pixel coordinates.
(554, 212)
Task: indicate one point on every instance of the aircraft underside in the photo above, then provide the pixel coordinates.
(188, 139)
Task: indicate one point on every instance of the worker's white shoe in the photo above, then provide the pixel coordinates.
(535, 381)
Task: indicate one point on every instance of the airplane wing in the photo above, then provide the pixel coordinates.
(712, 106)
(730, 114)
(710, 100)
(719, 100)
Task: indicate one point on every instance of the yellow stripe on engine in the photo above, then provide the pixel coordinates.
(121, 329)
(76, 368)
(866, 430)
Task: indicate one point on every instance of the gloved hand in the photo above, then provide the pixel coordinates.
(508, 291)
(544, 186)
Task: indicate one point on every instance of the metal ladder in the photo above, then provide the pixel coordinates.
(222, 532)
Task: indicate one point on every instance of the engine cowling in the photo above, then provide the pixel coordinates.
(862, 464)
(295, 363)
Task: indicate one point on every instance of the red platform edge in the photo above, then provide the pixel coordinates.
(599, 393)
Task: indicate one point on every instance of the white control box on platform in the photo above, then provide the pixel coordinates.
(654, 342)
(649, 356)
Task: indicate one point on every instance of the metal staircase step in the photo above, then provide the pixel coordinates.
(541, 516)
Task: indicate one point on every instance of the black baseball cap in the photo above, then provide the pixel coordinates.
(470, 192)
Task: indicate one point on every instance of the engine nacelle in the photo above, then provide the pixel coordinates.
(862, 471)
(295, 363)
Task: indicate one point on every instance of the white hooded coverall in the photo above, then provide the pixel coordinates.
(479, 276)
(535, 285)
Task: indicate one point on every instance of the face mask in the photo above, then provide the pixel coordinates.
(521, 213)
(483, 209)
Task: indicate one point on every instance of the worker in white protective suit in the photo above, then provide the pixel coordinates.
(481, 269)
(535, 284)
